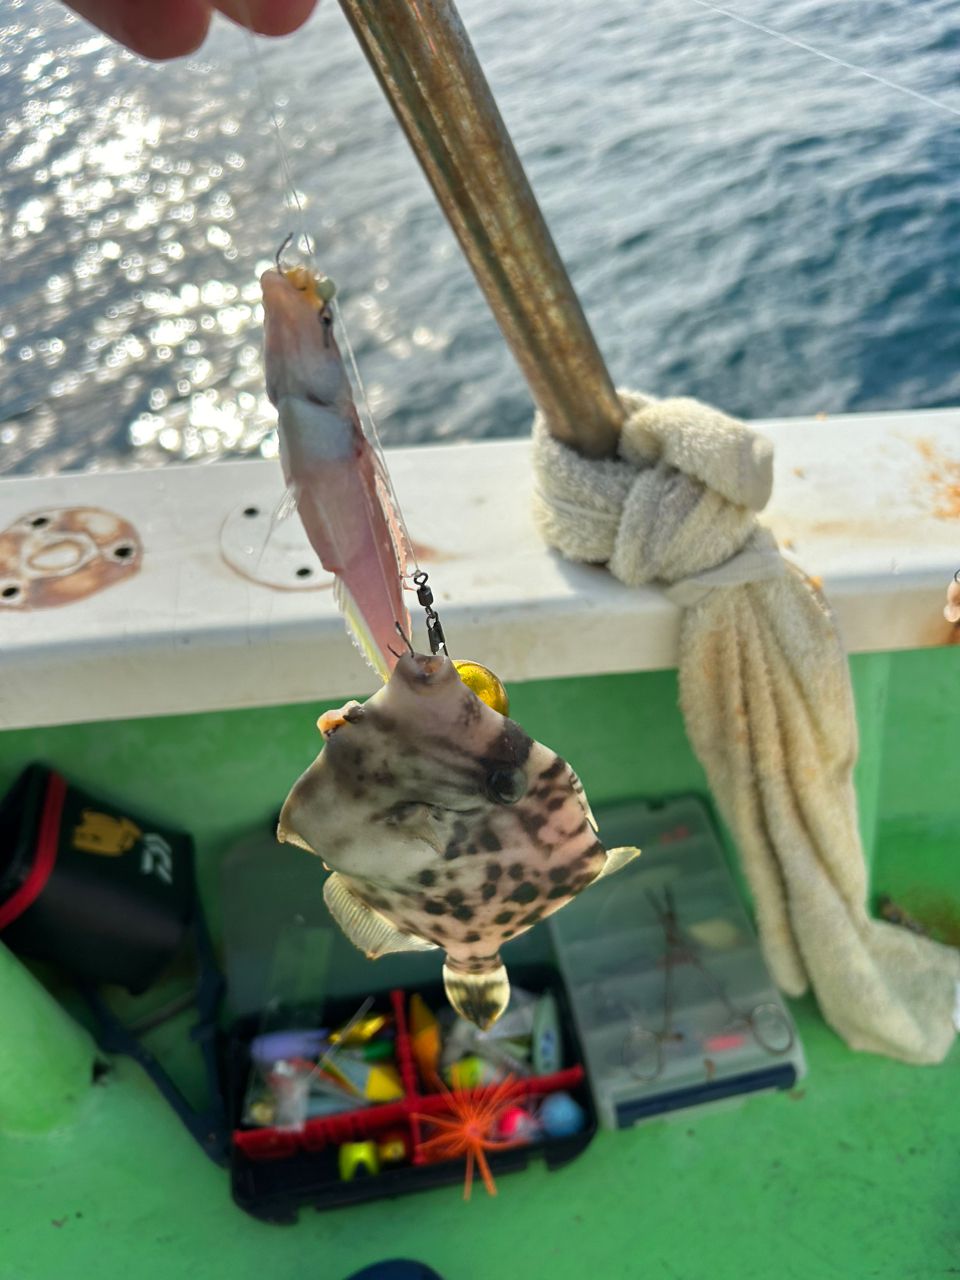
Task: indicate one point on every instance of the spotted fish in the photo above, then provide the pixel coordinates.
(445, 826)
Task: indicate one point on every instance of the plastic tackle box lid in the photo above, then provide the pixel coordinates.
(670, 993)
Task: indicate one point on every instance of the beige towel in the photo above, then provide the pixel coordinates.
(765, 694)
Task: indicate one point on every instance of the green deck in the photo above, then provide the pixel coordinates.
(852, 1174)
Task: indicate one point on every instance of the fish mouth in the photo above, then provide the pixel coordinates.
(425, 671)
(280, 298)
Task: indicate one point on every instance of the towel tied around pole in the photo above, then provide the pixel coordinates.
(766, 698)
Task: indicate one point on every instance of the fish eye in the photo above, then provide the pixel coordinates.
(506, 786)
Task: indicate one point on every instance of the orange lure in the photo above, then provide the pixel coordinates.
(469, 1130)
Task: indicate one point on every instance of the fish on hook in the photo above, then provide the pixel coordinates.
(445, 826)
(334, 475)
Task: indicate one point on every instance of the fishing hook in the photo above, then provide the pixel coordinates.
(280, 253)
(406, 640)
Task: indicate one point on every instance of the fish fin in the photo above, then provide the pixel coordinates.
(618, 858)
(479, 997)
(282, 511)
(285, 507)
(367, 929)
(360, 633)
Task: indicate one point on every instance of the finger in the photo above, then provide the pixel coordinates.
(268, 17)
(156, 29)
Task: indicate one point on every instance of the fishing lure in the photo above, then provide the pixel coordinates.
(470, 1129)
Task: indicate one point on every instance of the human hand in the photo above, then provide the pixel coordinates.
(160, 29)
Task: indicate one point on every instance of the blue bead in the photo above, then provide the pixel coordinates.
(561, 1116)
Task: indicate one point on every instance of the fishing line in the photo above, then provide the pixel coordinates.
(290, 193)
(829, 57)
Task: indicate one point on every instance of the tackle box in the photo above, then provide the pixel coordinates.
(669, 990)
(274, 1172)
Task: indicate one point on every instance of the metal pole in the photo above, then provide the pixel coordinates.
(426, 65)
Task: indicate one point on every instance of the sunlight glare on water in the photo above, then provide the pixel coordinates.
(744, 222)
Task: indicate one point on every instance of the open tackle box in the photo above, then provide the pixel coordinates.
(669, 989)
(663, 998)
(275, 1171)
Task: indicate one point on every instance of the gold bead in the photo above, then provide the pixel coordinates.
(488, 687)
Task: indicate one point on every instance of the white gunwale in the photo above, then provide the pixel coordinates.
(861, 501)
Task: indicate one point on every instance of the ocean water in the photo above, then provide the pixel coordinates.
(744, 222)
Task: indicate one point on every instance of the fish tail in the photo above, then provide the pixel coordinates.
(479, 997)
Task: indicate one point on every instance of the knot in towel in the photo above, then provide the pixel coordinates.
(765, 695)
(677, 507)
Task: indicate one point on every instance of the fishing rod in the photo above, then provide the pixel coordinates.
(426, 66)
